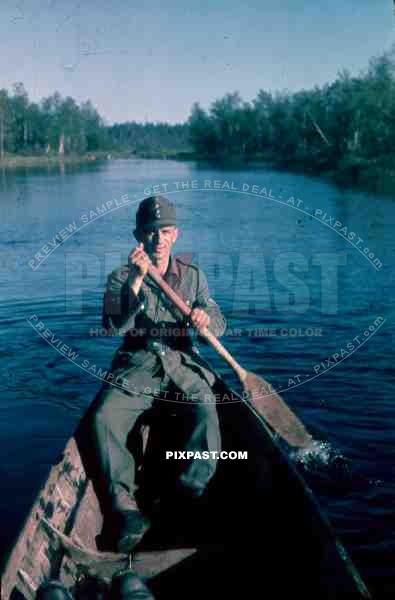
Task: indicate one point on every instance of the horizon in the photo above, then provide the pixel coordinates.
(199, 53)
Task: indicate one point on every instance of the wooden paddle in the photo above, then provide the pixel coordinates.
(267, 402)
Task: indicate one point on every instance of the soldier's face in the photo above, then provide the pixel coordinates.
(159, 242)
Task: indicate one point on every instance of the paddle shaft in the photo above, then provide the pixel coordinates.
(186, 310)
(269, 404)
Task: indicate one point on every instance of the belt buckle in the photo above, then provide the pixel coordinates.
(159, 346)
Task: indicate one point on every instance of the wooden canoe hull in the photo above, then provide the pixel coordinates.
(261, 527)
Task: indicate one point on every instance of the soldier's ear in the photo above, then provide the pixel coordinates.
(175, 234)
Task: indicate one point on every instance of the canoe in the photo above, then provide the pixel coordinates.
(259, 532)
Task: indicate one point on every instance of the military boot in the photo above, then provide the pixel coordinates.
(131, 524)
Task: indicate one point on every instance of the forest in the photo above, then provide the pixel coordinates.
(347, 126)
(60, 126)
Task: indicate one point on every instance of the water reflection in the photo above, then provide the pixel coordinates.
(237, 240)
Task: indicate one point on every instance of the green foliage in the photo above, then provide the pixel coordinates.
(58, 125)
(54, 125)
(347, 122)
(148, 139)
(344, 126)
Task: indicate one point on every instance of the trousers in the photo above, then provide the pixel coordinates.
(116, 411)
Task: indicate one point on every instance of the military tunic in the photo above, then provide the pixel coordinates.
(158, 350)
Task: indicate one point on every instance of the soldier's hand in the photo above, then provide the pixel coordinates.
(200, 318)
(139, 259)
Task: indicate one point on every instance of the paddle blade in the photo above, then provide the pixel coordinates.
(274, 410)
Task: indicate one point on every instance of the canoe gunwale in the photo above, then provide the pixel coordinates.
(71, 466)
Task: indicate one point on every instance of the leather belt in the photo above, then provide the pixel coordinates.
(157, 344)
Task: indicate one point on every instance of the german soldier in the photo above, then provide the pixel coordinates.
(157, 351)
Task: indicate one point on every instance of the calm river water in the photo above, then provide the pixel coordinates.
(309, 307)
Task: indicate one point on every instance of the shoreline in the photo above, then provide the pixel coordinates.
(375, 176)
(16, 161)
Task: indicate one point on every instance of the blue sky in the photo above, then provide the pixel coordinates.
(150, 60)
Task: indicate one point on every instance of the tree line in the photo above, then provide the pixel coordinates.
(344, 124)
(349, 122)
(61, 126)
(54, 125)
